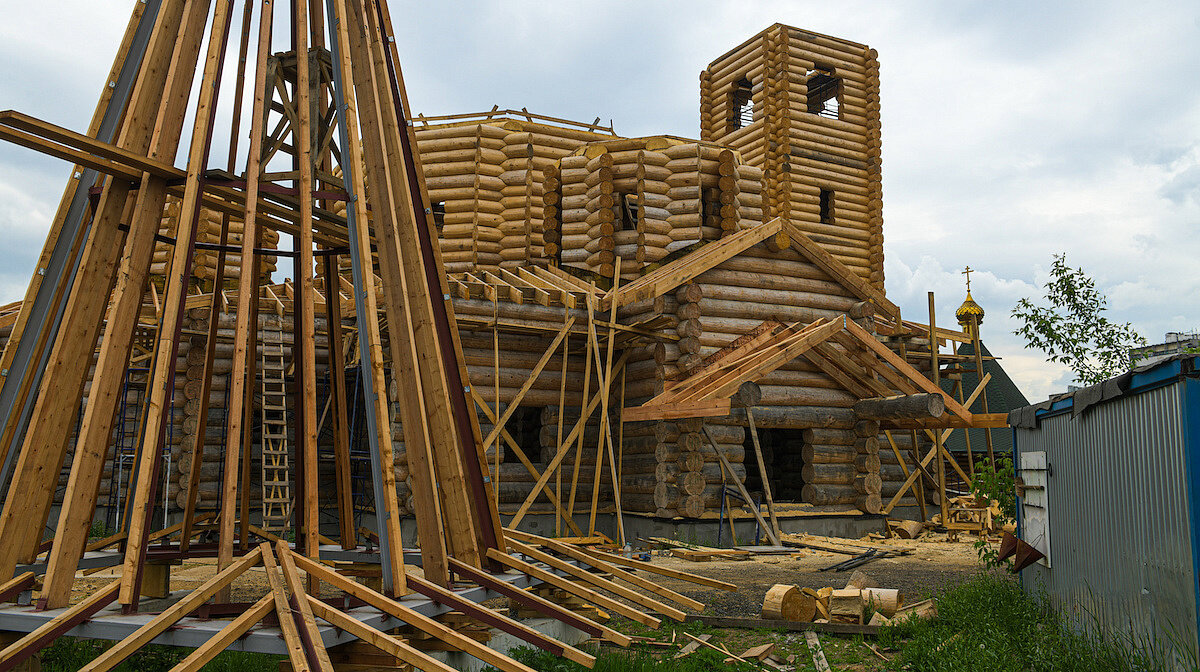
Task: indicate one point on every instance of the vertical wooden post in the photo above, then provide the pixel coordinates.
(214, 306)
(163, 373)
(304, 340)
(337, 389)
(366, 309)
(245, 333)
(935, 376)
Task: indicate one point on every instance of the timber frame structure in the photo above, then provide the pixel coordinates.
(485, 310)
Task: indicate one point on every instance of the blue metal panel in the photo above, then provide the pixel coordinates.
(1191, 439)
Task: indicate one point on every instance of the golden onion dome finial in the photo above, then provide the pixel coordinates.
(969, 308)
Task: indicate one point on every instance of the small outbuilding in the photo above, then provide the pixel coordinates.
(1108, 484)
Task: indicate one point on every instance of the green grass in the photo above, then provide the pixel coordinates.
(989, 624)
(69, 654)
(703, 660)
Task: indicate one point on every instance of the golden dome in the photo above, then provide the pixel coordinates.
(967, 309)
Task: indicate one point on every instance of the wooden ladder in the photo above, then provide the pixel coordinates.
(276, 465)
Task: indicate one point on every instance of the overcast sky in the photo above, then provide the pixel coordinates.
(1011, 131)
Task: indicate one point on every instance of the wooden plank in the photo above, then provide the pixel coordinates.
(597, 581)
(606, 439)
(660, 570)
(496, 620)
(762, 469)
(49, 631)
(540, 604)
(300, 606)
(529, 466)
(602, 601)
(227, 635)
(411, 617)
(670, 276)
(788, 626)
(849, 279)
(168, 617)
(380, 640)
(617, 573)
(161, 378)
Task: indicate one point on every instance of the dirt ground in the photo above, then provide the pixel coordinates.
(934, 564)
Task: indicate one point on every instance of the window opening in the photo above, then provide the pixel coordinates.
(439, 214)
(626, 205)
(826, 206)
(824, 93)
(741, 104)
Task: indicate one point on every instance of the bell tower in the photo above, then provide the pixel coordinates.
(804, 107)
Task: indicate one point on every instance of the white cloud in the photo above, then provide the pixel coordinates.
(1011, 131)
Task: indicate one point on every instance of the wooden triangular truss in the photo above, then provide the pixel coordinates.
(841, 348)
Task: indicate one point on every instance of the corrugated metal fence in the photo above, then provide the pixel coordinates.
(1120, 525)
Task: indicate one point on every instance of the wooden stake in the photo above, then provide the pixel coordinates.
(762, 469)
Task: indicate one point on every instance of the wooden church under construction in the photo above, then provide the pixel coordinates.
(535, 217)
(489, 316)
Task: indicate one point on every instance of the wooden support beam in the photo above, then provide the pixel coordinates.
(168, 617)
(741, 488)
(44, 635)
(538, 603)
(496, 620)
(602, 601)
(227, 635)
(413, 618)
(380, 640)
(575, 553)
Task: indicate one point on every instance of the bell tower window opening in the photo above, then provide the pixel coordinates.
(438, 209)
(824, 93)
(626, 216)
(826, 206)
(741, 104)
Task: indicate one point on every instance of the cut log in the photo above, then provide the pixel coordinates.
(788, 603)
(911, 406)
(883, 600)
